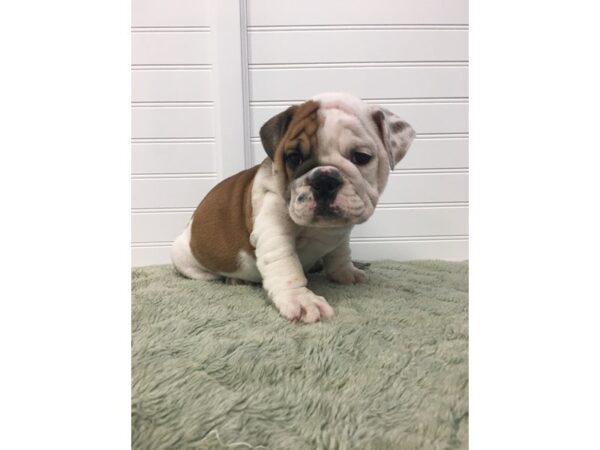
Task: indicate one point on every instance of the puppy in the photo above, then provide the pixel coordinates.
(328, 162)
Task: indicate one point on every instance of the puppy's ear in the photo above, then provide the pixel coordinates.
(396, 134)
(274, 129)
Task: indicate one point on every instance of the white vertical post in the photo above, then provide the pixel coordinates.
(231, 83)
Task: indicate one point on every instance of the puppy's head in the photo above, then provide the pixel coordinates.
(332, 156)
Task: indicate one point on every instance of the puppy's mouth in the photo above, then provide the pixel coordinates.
(325, 210)
(339, 211)
(325, 198)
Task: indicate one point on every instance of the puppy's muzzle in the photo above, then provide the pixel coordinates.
(325, 185)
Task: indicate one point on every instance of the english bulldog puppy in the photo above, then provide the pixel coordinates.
(328, 162)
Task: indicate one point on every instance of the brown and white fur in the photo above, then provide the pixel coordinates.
(273, 222)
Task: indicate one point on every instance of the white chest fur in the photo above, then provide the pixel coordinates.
(277, 238)
(311, 245)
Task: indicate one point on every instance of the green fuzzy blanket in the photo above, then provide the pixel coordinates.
(216, 367)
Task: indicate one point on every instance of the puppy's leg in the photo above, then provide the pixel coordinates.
(274, 238)
(339, 266)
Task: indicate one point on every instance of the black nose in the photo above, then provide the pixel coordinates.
(325, 185)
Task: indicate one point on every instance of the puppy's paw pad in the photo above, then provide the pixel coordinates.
(302, 304)
(349, 276)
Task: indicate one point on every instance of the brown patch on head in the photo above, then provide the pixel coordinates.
(293, 130)
(222, 223)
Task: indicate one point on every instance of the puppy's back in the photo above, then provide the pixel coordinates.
(222, 223)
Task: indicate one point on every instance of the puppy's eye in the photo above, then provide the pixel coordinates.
(360, 158)
(293, 159)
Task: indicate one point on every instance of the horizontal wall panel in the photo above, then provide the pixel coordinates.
(364, 82)
(404, 188)
(159, 226)
(331, 12)
(448, 221)
(258, 153)
(171, 13)
(424, 117)
(428, 118)
(180, 122)
(387, 222)
(451, 153)
(169, 192)
(181, 157)
(436, 154)
(357, 46)
(168, 47)
(426, 188)
(150, 255)
(451, 250)
(172, 86)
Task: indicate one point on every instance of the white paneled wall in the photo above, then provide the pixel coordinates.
(174, 152)
(208, 73)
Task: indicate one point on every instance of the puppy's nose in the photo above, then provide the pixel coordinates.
(325, 185)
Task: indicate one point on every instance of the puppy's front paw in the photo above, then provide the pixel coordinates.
(349, 275)
(303, 304)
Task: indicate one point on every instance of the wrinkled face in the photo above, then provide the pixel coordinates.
(331, 160)
(333, 182)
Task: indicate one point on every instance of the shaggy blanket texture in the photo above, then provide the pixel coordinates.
(216, 367)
